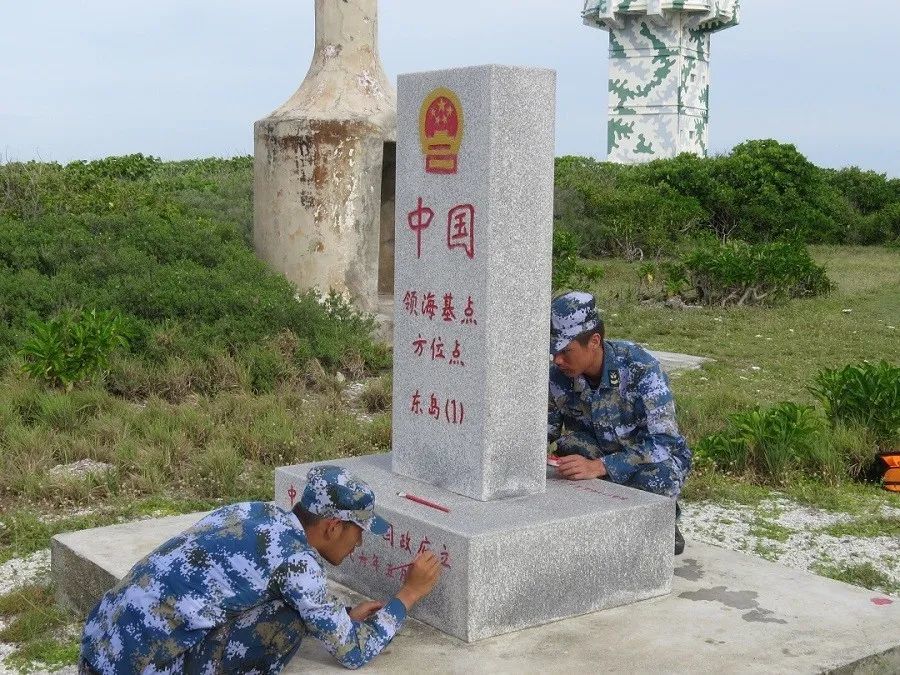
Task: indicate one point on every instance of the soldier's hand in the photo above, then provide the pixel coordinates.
(576, 467)
(423, 574)
(364, 610)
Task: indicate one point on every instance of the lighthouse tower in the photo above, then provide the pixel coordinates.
(658, 73)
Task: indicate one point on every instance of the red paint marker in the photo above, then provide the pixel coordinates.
(882, 601)
(425, 502)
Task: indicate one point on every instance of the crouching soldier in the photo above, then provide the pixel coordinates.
(238, 591)
(611, 412)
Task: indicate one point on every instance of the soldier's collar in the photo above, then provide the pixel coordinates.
(609, 375)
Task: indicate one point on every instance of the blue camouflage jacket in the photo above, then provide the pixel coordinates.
(236, 558)
(630, 415)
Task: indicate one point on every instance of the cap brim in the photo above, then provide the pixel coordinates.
(558, 344)
(376, 525)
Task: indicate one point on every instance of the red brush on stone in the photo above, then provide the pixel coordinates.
(552, 460)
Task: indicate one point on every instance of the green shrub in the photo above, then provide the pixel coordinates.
(739, 273)
(166, 246)
(612, 214)
(761, 191)
(864, 394)
(771, 444)
(71, 348)
(568, 268)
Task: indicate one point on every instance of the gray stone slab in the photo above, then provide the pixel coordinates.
(470, 388)
(87, 563)
(512, 563)
(671, 362)
(727, 613)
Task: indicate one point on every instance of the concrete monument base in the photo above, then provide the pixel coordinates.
(512, 563)
(727, 613)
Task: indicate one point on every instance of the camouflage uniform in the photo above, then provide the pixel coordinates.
(236, 593)
(628, 419)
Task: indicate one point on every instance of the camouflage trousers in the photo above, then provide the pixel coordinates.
(260, 640)
(661, 479)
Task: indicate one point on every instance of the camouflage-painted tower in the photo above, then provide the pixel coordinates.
(658, 73)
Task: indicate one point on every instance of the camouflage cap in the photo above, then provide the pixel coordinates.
(570, 315)
(332, 492)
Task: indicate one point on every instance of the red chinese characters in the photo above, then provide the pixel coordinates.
(419, 219)
(469, 313)
(419, 345)
(449, 314)
(381, 559)
(292, 494)
(456, 355)
(411, 303)
(460, 226)
(424, 303)
(452, 411)
(428, 305)
(416, 404)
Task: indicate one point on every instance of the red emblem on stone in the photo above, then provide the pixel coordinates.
(441, 131)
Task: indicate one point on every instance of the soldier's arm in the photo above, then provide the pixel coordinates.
(662, 435)
(353, 643)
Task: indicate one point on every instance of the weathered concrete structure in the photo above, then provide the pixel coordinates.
(323, 175)
(658, 73)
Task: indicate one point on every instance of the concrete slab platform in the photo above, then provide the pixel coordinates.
(510, 563)
(727, 613)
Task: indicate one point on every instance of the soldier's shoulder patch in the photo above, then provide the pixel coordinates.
(614, 378)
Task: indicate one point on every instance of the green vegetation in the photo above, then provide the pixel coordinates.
(137, 329)
(776, 443)
(38, 626)
(738, 273)
(376, 396)
(68, 349)
(766, 529)
(761, 191)
(861, 574)
(866, 395)
(568, 269)
(164, 246)
(868, 526)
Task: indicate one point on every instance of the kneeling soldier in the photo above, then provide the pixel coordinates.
(610, 410)
(238, 591)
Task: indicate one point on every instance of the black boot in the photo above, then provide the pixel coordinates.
(679, 541)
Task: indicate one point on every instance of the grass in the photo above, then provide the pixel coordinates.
(787, 343)
(861, 574)
(376, 396)
(768, 551)
(766, 529)
(42, 631)
(870, 526)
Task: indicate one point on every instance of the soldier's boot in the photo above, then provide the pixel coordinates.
(679, 541)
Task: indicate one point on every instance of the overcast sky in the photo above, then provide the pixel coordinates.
(187, 78)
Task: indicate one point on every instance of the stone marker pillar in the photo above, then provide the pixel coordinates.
(474, 227)
(517, 547)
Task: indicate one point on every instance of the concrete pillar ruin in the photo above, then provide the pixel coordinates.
(323, 173)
